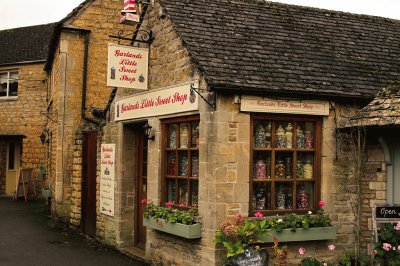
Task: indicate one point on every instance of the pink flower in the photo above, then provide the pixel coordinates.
(375, 252)
(325, 264)
(181, 205)
(302, 251)
(398, 247)
(397, 227)
(168, 204)
(258, 215)
(331, 247)
(321, 203)
(386, 246)
(143, 201)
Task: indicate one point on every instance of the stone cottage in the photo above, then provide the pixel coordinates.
(23, 101)
(243, 98)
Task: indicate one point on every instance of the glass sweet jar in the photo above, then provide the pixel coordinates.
(280, 137)
(259, 138)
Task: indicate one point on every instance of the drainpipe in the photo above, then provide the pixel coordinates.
(84, 80)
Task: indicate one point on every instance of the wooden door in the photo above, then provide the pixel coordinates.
(141, 189)
(13, 165)
(89, 183)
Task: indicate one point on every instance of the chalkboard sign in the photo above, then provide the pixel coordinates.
(387, 212)
(25, 177)
(251, 257)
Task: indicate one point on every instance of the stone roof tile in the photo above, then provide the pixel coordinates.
(274, 47)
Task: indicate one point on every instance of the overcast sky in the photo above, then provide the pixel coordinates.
(22, 13)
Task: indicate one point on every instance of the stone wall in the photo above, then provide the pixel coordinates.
(101, 17)
(25, 115)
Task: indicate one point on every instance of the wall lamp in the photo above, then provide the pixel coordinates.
(43, 138)
(148, 131)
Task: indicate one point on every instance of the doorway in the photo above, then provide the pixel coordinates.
(140, 188)
(13, 163)
(89, 183)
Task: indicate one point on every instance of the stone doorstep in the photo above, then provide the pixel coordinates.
(135, 253)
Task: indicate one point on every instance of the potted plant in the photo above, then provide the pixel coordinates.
(387, 249)
(241, 235)
(172, 219)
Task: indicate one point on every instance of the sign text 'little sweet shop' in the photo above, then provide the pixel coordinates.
(161, 102)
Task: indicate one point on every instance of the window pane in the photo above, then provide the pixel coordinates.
(13, 84)
(284, 135)
(262, 134)
(262, 165)
(184, 135)
(284, 195)
(3, 84)
(284, 165)
(183, 164)
(171, 164)
(305, 166)
(171, 191)
(194, 192)
(183, 196)
(172, 133)
(305, 195)
(195, 164)
(261, 195)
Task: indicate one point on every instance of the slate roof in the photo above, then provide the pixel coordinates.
(384, 110)
(284, 49)
(25, 44)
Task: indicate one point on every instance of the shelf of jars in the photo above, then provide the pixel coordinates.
(283, 166)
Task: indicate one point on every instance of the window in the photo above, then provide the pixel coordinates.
(8, 84)
(181, 161)
(285, 162)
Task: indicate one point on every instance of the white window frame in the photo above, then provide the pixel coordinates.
(9, 71)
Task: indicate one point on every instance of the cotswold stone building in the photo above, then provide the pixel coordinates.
(244, 100)
(23, 101)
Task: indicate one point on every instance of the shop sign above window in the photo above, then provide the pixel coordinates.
(170, 100)
(127, 67)
(266, 105)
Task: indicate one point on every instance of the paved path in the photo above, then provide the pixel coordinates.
(26, 239)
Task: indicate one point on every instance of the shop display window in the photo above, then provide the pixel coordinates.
(285, 163)
(181, 161)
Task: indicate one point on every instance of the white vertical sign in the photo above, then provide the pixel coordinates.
(107, 179)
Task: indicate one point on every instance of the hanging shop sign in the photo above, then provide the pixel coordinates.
(127, 67)
(107, 179)
(265, 105)
(161, 102)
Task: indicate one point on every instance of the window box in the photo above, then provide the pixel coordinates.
(302, 234)
(186, 231)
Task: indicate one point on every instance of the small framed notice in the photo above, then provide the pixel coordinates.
(107, 179)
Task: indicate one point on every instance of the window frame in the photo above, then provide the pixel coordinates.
(317, 156)
(9, 72)
(164, 158)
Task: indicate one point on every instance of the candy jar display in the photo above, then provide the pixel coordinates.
(172, 138)
(279, 169)
(171, 166)
(195, 136)
(254, 203)
(183, 166)
(299, 169)
(300, 138)
(268, 168)
(289, 135)
(288, 167)
(261, 169)
(260, 198)
(195, 166)
(259, 138)
(268, 135)
(302, 199)
(280, 200)
(280, 137)
(308, 140)
(184, 137)
(308, 170)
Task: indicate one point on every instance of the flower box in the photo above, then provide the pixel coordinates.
(186, 231)
(302, 234)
